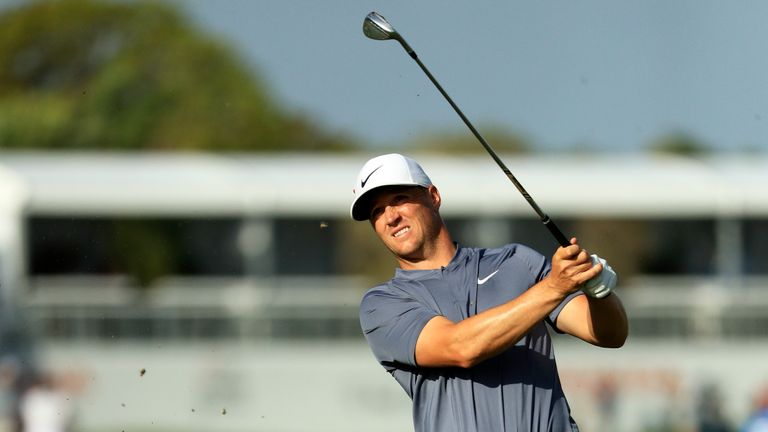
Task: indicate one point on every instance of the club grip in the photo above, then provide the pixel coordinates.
(559, 236)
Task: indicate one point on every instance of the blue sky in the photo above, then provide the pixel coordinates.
(604, 74)
(611, 75)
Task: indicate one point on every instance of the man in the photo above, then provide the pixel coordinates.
(462, 329)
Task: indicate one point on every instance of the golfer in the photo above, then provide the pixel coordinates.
(462, 329)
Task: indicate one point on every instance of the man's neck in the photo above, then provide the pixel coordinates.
(441, 256)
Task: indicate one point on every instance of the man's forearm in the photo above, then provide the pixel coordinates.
(494, 330)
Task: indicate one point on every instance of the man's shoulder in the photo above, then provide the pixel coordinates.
(392, 288)
(509, 250)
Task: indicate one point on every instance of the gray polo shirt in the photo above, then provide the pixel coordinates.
(518, 390)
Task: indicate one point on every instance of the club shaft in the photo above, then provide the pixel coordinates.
(546, 220)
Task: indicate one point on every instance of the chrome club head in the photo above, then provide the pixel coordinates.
(377, 27)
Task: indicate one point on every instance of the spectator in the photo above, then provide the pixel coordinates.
(45, 407)
(758, 421)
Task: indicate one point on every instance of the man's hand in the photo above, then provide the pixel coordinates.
(601, 285)
(572, 267)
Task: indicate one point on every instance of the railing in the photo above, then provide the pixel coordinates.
(194, 308)
(701, 308)
(325, 307)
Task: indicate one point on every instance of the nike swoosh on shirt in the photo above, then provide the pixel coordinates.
(363, 182)
(485, 279)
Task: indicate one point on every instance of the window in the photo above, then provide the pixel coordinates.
(60, 245)
(755, 233)
(304, 247)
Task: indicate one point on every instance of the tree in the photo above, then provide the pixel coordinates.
(463, 142)
(86, 74)
(679, 143)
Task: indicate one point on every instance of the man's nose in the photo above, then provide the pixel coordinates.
(390, 213)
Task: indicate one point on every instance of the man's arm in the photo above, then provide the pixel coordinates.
(466, 343)
(601, 322)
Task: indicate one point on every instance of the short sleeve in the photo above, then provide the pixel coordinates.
(541, 266)
(391, 322)
(552, 319)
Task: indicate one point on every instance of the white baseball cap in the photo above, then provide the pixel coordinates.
(386, 170)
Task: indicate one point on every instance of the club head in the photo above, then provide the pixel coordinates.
(376, 27)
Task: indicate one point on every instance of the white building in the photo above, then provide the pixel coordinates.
(253, 226)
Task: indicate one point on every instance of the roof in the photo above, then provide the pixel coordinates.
(321, 185)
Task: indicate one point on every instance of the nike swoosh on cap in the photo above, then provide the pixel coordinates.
(363, 182)
(485, 279)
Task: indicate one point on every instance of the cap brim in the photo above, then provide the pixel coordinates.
(360, 209)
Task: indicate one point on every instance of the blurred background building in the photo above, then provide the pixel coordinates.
(176, 251)
(249, 267)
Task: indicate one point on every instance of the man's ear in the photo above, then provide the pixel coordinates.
(434, 196)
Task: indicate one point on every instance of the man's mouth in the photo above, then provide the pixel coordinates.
(401, 232)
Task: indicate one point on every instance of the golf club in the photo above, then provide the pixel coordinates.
(378, 28)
